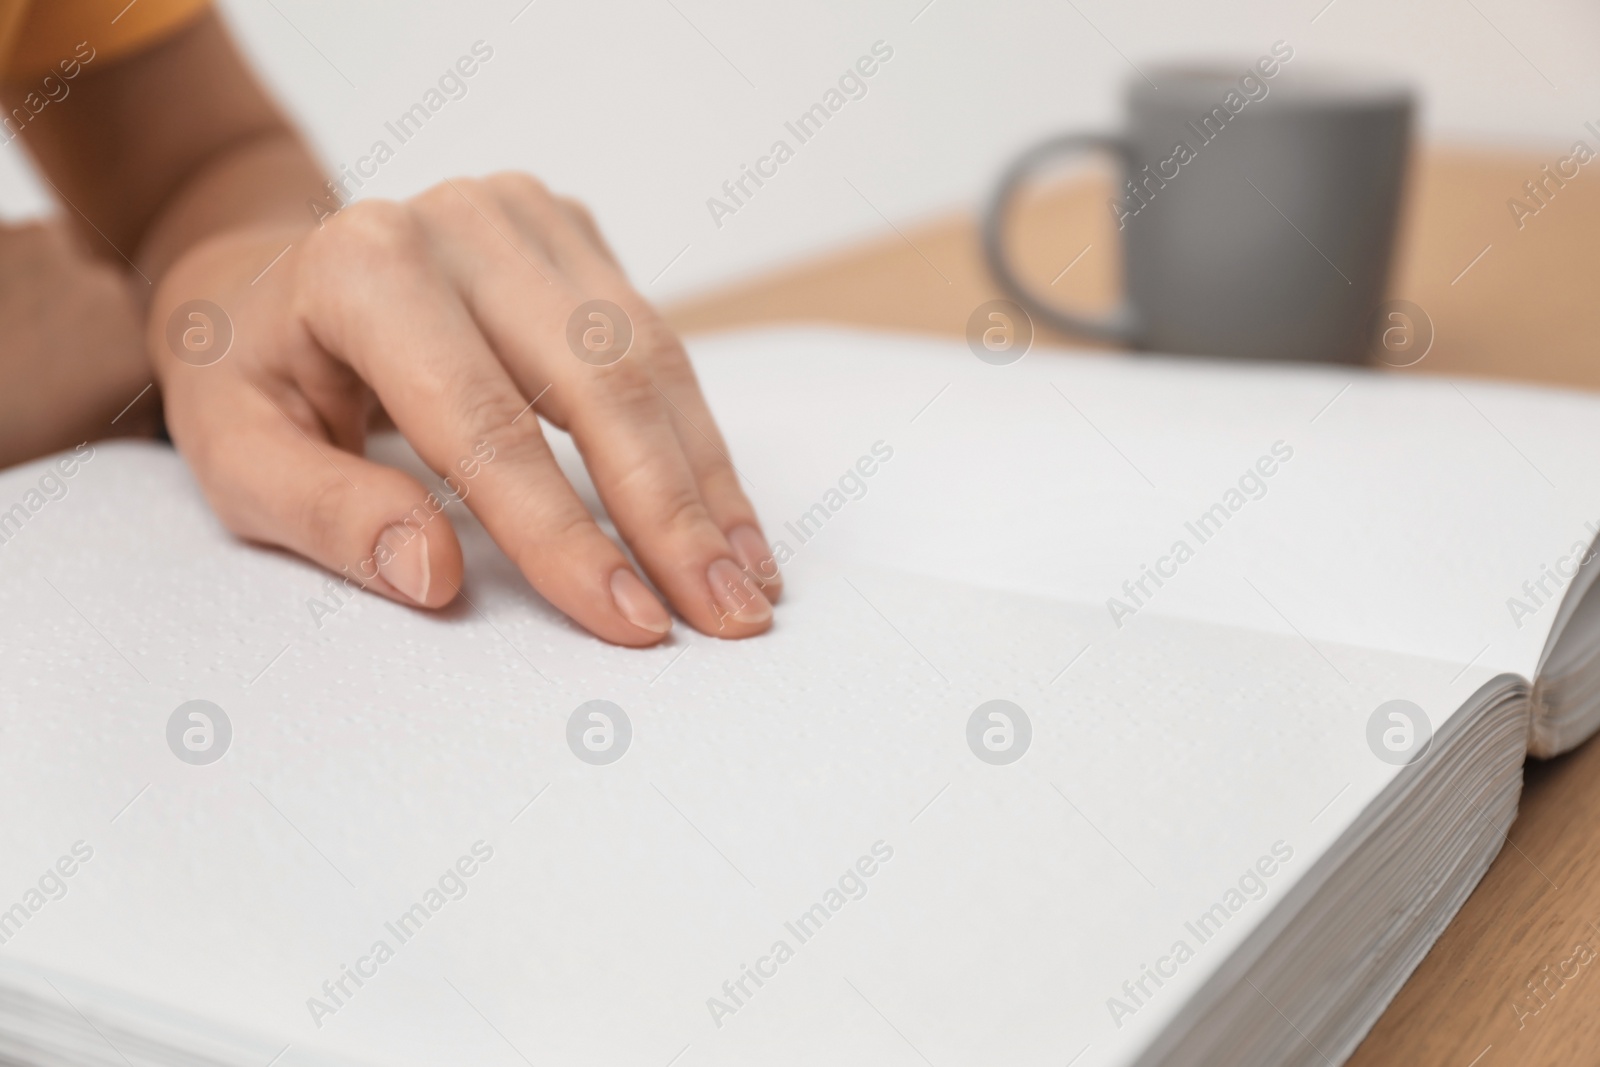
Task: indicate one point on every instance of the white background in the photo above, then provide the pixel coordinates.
(644, 107)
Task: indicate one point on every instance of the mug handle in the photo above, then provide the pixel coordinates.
(1120, 326)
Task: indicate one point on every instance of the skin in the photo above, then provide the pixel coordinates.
(73, 356)
(447, 313)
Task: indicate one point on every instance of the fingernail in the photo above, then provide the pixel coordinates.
(637, 604)
(754, 553)
(402, 558)
(736, 593)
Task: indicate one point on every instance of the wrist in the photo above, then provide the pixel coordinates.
(213, 278)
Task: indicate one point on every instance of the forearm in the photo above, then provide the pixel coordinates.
(158, 151)
(150, 157)
(263, 183)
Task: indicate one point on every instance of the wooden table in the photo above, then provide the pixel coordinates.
(1504, 302)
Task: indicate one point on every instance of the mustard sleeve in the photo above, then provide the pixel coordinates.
(45, 34)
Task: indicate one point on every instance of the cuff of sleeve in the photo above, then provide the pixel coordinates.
(62, 36)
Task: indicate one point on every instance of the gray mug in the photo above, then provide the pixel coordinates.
(1257, 212)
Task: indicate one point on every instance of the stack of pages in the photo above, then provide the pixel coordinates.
(1119, 710)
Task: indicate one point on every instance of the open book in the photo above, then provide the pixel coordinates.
(1119, 710)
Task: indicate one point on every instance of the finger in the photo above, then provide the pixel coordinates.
(415, 342)
(274, 479)
(580, 214)
(568, 231)
(719, 480)
(617, 416)
(561, 227)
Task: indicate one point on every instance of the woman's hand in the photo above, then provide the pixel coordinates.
(459, 312)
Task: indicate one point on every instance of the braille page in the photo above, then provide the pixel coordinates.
(920, 817)
(1405, 512)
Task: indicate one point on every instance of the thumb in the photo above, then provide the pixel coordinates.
(271, 481)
